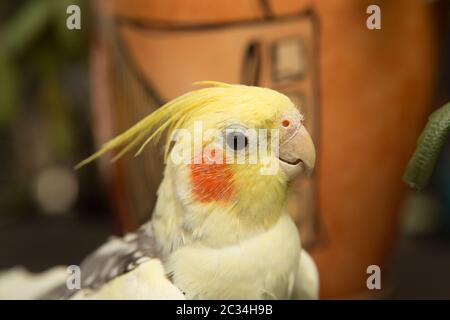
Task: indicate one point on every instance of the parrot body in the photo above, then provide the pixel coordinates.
(267, 266)
(220, 229)
(271, 266)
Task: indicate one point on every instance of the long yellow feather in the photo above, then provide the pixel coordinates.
(168, 117)
(216, 97)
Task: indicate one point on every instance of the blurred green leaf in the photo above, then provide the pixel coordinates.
(429, 147)
(55, 115)
(9, 89)
(25, 25)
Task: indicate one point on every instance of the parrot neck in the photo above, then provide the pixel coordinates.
(179, 220)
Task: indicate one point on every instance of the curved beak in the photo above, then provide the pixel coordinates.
(297, 155)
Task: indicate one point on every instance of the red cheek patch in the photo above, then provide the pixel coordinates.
(211, 181)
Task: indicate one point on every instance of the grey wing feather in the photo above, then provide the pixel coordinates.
(114, 258)
(118, 256)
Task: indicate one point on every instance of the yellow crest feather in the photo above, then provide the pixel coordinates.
(166, 118)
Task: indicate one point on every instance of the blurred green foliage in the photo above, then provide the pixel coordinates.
(35, 33)
(43, 93)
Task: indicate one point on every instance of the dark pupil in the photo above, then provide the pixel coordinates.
(237, 141)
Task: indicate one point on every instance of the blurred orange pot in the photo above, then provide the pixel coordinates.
(365, 94)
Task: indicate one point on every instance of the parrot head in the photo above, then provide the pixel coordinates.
(230, 149)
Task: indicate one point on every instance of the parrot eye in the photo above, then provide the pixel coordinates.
(236, 139)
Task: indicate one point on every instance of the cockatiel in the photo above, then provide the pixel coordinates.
(220, 229)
